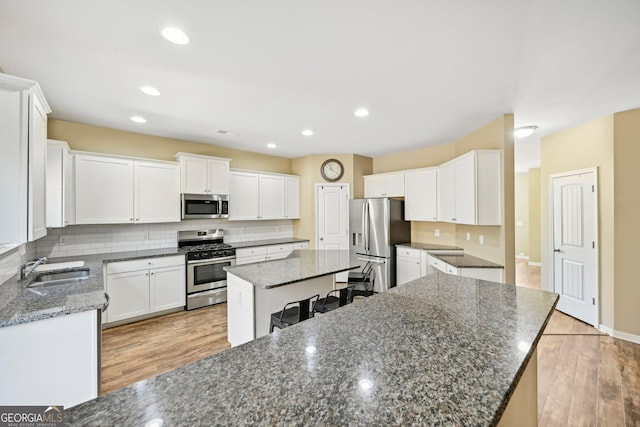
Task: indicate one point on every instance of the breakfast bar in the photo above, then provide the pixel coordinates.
(440, 350)
(254, 291)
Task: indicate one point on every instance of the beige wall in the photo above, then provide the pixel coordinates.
(111, 141)
(499, 242)
(361, 166)
(534, 215)
(626, 177)
(521, 200)
(585, 146)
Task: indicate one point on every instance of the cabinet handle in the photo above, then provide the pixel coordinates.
(131, 219)
(146, 274)
(153, 274)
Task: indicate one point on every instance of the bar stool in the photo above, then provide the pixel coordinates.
(292, 313)
(331, 302)
(363, 282)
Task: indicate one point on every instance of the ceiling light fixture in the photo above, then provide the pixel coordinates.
(150, 90)
(271, 145)
(361, 112)
(307, 132)
(524, 131)
(139, 119)
(175, 35)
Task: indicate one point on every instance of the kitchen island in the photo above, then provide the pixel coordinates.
(254, 291)
(440, 350)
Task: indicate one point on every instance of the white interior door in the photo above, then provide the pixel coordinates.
(332, 217)
(575, 275)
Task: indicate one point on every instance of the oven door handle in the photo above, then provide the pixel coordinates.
(210, 260)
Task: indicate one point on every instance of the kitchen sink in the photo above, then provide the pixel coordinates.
(60, 278)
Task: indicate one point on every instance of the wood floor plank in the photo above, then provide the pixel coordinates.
(629, 362)
(548, 352)
(610, 410)
(585, 391)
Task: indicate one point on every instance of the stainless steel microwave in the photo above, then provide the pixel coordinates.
(196, 206)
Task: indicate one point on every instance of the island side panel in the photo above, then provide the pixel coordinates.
(240, 310)
(273, 300)
(522, 409)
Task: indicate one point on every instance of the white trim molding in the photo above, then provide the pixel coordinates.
(626, 336)
(535, 264)
(522, 257)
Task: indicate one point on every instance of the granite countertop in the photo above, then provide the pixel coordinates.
(301, 264)
(440, 350)
(429, 246)
(269, 242)
(19, 304)
(465, 261)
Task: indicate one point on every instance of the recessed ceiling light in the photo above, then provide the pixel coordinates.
(524, 131)
(271, 145)
(150, 90)
(139, 119)
(224, 132)
(307, 132)
(175, 35)
(361, 112)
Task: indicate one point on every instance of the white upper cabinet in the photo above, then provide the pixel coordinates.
(384, 185)
(203, 174)
(421, 195)
(23, 135)
(116, 190)
(156, 192)
(469, 189)
(60, 188)
(292, 197)
(255, 195)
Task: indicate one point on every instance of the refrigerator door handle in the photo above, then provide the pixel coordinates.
(365, 231)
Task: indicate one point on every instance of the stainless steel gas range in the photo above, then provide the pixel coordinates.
(207, 255)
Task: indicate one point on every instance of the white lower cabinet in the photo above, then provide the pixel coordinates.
(408, 265)
(141, 287)
(267, 253)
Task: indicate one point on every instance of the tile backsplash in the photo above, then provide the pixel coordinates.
(10, 261)
(92, 239)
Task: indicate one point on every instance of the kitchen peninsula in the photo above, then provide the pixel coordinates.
(254, 291)
(441, 349)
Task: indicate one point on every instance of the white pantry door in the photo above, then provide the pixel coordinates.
(574, 245)
(332, 218)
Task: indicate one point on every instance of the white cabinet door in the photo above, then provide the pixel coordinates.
(465, 189)
(243, 196)
(218, 176)
(374, 185)
(69, 188)
(394, 185)
(129, 293)
(271, 196)
(37, 171)
(421, 195)
(167, 288)
(55, 184)
(292, 197)
(195, 175)
(407, 269)
(156, 192)
(104, 190)
(446, 193)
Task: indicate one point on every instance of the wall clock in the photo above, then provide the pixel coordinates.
(331, 170)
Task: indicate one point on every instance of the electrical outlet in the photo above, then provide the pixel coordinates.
(62, 240)
(481, 239)
(468, 237)
(437, 232)
(145, 235)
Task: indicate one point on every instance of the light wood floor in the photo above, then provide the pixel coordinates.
(585, 378)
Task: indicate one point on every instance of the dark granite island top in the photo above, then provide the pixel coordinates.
(441, 350)
(301, 264)
(463, 260)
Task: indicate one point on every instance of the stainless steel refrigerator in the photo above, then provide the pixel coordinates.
(375, 227)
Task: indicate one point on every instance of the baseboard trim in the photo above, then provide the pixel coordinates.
(627, 337)
(522, 257)
(535, 264)
(605, 329)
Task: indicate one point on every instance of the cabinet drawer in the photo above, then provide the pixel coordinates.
(144, 264)
(250, 259)
(245, 252)
(436, 263)
(279, 249)
(300, 245)
(408, 253)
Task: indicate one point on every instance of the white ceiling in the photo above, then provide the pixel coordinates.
(429, 71)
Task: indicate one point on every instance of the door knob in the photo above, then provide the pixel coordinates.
(322, 238)
(556, 250)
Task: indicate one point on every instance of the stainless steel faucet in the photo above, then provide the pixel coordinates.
(27, 268)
